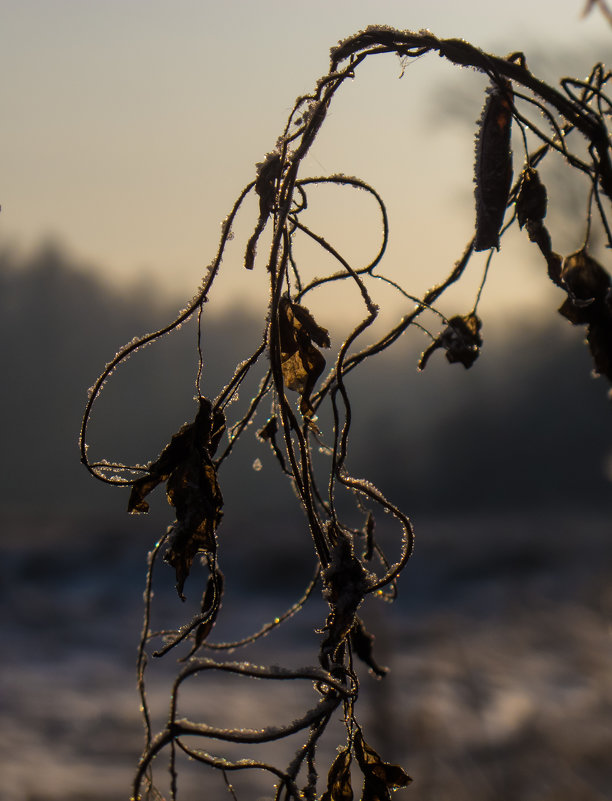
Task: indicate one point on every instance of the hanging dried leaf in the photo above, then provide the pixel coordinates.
(339, 779)
(268, 434)
(316, 332)
(368, 530)
(268, 173)
(204, 430)
(461, 339)
(553, 262)
(362, 643)
(599, 340)
(211, 604)
(378, 777)
(194, 492)
(588, 286)
(301, 362)
(191, 488)
(586, 282)
(345, 585)
(493, 170)
(531, 200)
(269, 431)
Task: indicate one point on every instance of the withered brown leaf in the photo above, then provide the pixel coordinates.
(588, 287)
(268, 173)
(461, 339)
(210, 606)
(301, 362)
(531, 200)
(586, 283)
(378, 777)
(192, 489)
(339, 786)
(362, 643)
(368, 530)
(268, 434)
(345, 584)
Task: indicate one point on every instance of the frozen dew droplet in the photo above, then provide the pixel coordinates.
(257, 465)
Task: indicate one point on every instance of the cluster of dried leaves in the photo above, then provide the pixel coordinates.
(350, 564)
(378, 777)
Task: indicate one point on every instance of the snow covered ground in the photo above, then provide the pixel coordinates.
(500, 649)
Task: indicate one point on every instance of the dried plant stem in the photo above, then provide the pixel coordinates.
(316, 460)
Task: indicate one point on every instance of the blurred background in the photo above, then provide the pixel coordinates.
(128, 131)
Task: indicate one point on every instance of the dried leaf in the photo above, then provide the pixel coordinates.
(378, 777)
(316, 332)
(204, 429)
(362, 643)
(194, 492)
(554, 262)
(461, 339)
(368, 530)
(301, 362)
(211, 604)
(191, 488)
(268, 434)
(339, 779)
(493, 170)
(268, 173)
(531, 200)
(345, 585)
(585, 280)
(588, 286)
(269, 431)
(577, 315)
(599, 340)
(161, 469)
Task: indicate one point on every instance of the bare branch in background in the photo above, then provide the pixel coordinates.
(603, 7)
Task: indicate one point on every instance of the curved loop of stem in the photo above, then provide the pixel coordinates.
(140, 342)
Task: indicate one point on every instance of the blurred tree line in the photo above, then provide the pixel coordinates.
(526, 428)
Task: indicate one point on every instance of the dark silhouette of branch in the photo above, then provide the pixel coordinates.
(299, 381)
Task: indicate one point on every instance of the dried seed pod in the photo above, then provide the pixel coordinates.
(493, 171)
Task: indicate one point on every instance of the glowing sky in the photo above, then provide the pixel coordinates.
(129, 126)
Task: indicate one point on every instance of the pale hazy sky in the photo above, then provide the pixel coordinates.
(130, 126)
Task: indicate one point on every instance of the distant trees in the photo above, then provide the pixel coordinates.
(45, 298)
